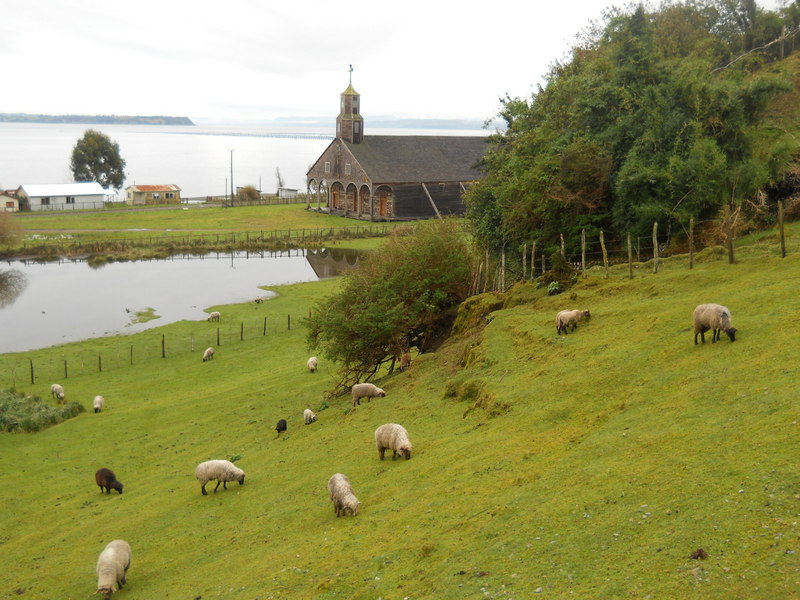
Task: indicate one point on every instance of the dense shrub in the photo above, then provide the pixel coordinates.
(26, 414)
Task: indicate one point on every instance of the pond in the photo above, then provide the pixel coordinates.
(44, 304)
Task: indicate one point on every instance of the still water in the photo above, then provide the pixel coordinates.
(44, 304)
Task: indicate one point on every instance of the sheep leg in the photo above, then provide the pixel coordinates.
(381, 452)
(394, 454)
(203, 489)
(215, 487)
(224, 485)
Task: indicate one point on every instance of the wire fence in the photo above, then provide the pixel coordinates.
(103, 355)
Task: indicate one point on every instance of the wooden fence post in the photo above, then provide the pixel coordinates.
(605, 254)
(562, 244)
(729, 234)
(288, 322)
(163, 347)
(583, 251)
(524, 261)
(31, 371)
(241, 332)
(780, 228)
(217, 336)
(533, 260)
(655, 246)
(543, 265)
(691, 242)
(131, 353)
(630, 257)
(100, 363)
(265, 325)
(65, 369)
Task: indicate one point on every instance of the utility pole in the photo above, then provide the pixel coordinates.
(233, 189)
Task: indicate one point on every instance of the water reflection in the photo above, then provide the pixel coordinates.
(12, 284)
(66, 300)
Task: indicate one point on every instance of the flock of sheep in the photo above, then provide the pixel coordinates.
(115, 559)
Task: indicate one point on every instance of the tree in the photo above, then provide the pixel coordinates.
(394, 301)
(96, 158)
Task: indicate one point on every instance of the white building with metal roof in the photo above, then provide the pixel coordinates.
(62, 196)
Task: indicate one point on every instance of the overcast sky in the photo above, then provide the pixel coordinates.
(262, 59)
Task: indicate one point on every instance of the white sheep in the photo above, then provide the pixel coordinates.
(309, 416)
(311, 363)
(342, 496)
(394, 437)
(222, 471)
(214, 316)
(57, 391)
(366, 390)
(98, 403)
(112, 567)
(565, 318)
(715, 317)
(208, 354)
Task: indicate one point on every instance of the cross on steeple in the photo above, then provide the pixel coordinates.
(351, 74)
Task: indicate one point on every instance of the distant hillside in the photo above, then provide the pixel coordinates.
(95, 119)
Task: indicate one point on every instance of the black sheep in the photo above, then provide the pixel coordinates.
(281, 426)
(105, 478)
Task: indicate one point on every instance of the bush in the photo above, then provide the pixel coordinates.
(27, 414)
(553, 288)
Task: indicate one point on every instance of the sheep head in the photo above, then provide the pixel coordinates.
(586, 314)
(241, 479)
(106, 591)
(405, 450)
(731, 331)
(381, 393)
(116, 485)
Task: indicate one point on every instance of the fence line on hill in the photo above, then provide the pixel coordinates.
(110, 354)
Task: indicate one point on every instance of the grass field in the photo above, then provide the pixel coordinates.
(589, 466)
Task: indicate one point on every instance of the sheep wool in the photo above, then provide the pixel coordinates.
(107, 481)
(57, 391)
(405, 361)
(208, 354)
(312, 364)
(715, 317)
(112, 568)
(565, 318)
(344, 501)
(214, 316)
(366, 390)
(309, 416)
(394, 437)
(98, 403)
(222, 471)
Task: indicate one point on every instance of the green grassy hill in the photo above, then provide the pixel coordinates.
(589, 466)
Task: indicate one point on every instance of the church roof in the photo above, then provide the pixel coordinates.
(350, 91)
(414, 158)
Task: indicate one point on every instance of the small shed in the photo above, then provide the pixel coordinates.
(8, 201)
(284, 192)
(62, 196)
(153, 194)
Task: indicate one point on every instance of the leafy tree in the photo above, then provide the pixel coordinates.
(249, 193)
(394, 301)
(96, 158)
(651, 118)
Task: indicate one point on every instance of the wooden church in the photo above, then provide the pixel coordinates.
(392, 177)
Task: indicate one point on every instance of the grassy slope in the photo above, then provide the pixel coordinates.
(617, 452)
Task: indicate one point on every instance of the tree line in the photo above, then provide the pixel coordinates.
(657, 115)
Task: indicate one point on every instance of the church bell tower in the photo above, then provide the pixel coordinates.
(349, 123)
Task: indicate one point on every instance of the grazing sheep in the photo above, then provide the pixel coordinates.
(57, 391)
(208, 354)
(258, 300)
(342, 496)
(222, 471)
(281, 426)
(366, 390)
(112, 567)
(309, 416)
(713, 316)
(394, 437)
(105, 478)
(312, 364)
(405, 361)
(565, 318)
(98, 403)
(214, 316)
